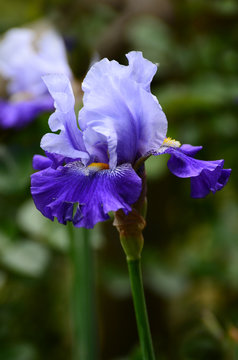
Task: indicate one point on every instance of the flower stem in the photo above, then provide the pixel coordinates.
(130, 228)
(85, 344)
(134, 266)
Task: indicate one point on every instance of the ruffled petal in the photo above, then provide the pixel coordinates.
(117, 97)
(209, 181)
(141, 69)
(205, 176)
(55, 191)
(69, 142)
(98, 71)
(19, 114)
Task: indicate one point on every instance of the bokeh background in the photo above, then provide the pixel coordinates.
(190, 257)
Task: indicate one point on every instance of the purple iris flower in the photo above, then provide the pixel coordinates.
(94, 164)
(25, 55)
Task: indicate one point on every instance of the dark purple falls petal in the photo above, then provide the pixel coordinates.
(205, 176)
(209, 181)
(55, 191)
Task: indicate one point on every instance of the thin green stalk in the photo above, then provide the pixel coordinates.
(130, 228)
(134, 266)
(83, 296)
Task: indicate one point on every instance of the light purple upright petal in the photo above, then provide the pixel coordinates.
(61, 91)
(95, 192)
(61, 144)
(69, 142)
(100, 70)
(153, 123)
(116, 97)
(101, 144)
(141, 69)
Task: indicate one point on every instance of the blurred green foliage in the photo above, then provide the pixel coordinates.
(190, 259)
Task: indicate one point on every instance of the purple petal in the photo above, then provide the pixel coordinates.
(209, 181)
(69, 142)
(99, 142)
(61, 91)
(41, 162)
(185, 166)
(205, 176)
(141, 69)
(19, 114)
(116, 97)
(98, 71)
(95, 192)
(190, 150)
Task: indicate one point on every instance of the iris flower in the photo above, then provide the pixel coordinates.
(25, 55)
(94, 164)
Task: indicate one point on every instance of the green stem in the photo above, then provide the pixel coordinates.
(85, 344)
(134, 266)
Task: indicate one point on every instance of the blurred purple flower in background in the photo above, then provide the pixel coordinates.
(25, 55)
(94, 166)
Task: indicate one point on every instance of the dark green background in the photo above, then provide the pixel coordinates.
(190, 257)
